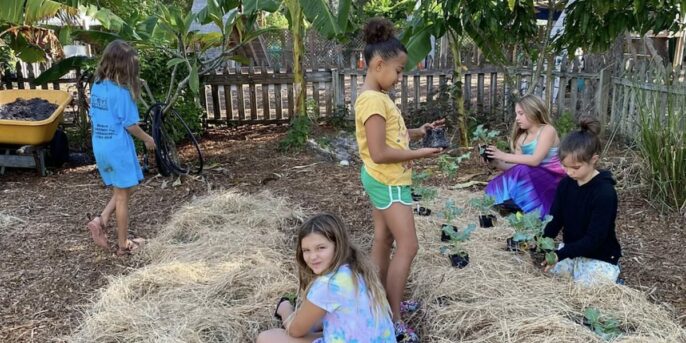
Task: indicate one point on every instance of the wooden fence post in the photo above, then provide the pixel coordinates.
(602, 97)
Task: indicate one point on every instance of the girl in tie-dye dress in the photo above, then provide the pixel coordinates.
(531, 174)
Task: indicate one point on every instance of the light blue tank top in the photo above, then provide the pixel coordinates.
(529, 148)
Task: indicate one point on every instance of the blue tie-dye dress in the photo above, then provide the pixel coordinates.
(349, 317)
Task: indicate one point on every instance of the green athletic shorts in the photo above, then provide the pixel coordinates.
(383, 196)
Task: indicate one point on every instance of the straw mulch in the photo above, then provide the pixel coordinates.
(215, 271)
(8, 221)
(501, 297)
(212, 275)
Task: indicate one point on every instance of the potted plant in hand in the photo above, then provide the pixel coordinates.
(435, 138)
(421, 192)
(458, 255)
(485, 207)
(449, 213)
(528, 231)
(483, 138)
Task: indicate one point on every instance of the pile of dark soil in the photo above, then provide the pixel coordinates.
(31, 109)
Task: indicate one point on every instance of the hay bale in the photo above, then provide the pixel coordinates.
(213, 275)
(501, 297)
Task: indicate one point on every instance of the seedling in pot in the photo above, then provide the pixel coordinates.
(458, 256)
(422, 193)
(435, 138)
(484, 205)
(543, 251)
(528, 229)
(604, 326)
(483, 138)
(449, 213)
(449, 165)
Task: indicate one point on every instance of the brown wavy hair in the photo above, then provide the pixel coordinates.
(119, 64)
(345, 252)
(535, 110)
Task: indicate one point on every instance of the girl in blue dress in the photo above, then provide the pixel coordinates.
(114, 118)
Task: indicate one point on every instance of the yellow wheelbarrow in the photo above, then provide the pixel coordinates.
(31, 137)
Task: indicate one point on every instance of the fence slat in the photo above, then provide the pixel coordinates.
(429, 88)
(277, 94)
(561, 94)
(215, 102)
(266, 112)
(468, 91)
(416, 83)
(240, 96)
(315, 96)
(493, 92)
(575, 90)
(291, 102)
(228, 103)
(253, 95)
(403, 95)
(480, 92)
(328, 96)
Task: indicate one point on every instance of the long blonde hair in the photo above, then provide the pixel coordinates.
(345, 252)
(535, 110)
(119, 64)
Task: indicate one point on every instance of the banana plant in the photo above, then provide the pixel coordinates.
(20, 28)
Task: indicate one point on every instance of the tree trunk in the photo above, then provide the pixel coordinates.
(298, 31)
(458, 97)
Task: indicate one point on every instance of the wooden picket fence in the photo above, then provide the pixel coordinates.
(27, 72)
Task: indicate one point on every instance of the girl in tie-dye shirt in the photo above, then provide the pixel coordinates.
(344, 301)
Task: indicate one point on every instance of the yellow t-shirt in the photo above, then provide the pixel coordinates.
(370, 103)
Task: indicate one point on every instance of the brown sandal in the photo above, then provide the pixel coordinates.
(97, 232)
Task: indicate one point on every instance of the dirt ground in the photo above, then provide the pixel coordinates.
(51, 270)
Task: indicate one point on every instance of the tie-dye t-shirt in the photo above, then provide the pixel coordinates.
(349, 317)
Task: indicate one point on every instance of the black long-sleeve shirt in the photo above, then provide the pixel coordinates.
(586, 215)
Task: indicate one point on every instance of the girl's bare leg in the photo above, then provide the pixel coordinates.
(107, 212)
(381, 246)
(122, 213)
(400, 222)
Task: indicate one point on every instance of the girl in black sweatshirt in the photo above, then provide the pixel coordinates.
(584, 209)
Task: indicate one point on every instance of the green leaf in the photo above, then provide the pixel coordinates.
(240, 59)
(98, 38)
(550, 258)
(174, 61)
(30, 53)
(194, 82)
(319, 14)
(36, 10)
(62, 67)
(65, 35)
(511, 4)
(418, 47)
(592, 314)
(12, 11)
(252, 6)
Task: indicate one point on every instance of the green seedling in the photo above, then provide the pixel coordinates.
(483, 204)
(449, 165)
(604, 326)
(454, 247)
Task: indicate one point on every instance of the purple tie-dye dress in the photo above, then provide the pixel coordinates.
(529, 187)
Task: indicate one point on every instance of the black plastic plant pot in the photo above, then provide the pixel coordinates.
(512, 245)
(416, 197)
(435, 138)
(422, 211)
(483, 153)
(487, 220)
(459, 261)
(445, 237)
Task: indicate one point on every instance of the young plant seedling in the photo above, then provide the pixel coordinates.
(454, 249)
(529, 230)
(483, 138)
(604, 326)
(422, 193)
(449, 213)
(449, 165)
(485, 207)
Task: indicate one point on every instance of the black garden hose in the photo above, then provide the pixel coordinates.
(166, 155)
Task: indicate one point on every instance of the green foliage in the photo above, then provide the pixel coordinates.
(8, 60)
(595, 25)
(153, 67)
(502, 145)
(662, 143)
(450, 211)
(529, 226)
(418, 180)
(454, 246)
(297, 135)
(565, 124)
(442, 106)
(483, 135)
(393, 10)
(483, 204)
(339, 119)
(604, 326)
(449, 165)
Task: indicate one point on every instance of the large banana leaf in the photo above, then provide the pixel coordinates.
(29, 12)
(252, 6)
(62, 67)
(319, 14)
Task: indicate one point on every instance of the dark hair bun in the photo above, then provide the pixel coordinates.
(589, 124)
(378, 30)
